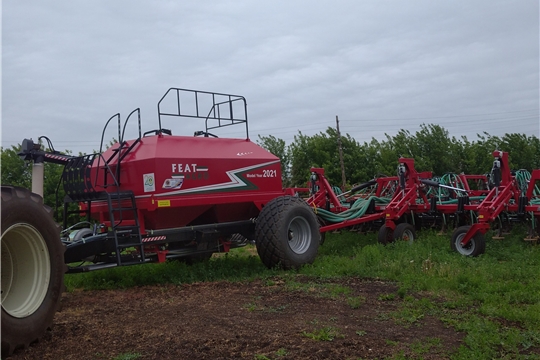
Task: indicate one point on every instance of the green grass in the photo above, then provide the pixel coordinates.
(356, 301)
(235, 266)
(424, 346)
(127, 356)
(494, 299)
(280, 352)
(327, 333)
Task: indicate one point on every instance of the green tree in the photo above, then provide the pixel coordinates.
(477, 155)
(437, 152)
(431, 147)
(278, 148)
(378, 158)
(523, 150)
(17, 172)
(389, 153)
(301, 159)
(322, 150)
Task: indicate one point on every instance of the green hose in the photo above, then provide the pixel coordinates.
(523, 178)
(357, 209)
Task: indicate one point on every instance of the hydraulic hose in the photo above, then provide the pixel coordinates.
(358, 209)
(523, 178)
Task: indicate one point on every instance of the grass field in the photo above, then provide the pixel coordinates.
(493, 299)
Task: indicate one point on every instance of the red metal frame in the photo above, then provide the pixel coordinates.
(411, 189)
(403, 201)
(482, 179)
(322, 196)
(497, 200)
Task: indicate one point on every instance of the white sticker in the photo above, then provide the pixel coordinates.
(174, 183)
(149, 183)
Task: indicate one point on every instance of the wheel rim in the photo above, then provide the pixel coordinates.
(408, 236)
(467, 249)
(299, 234)
(25, 270)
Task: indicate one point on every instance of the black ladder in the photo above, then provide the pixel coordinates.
(125, 232)
(79, 186)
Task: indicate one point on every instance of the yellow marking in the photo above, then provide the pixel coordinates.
(480, 216)
(164, 203)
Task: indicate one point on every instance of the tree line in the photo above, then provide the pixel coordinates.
(431, 147)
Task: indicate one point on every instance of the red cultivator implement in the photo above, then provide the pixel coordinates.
(472, 203)
(507, 195)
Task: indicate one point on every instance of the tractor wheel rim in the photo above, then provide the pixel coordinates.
(299, 234)
(25, 270)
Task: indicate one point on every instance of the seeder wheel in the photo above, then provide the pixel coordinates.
(287, 233)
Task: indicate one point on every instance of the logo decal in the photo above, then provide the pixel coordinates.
(187, 172)
(174, 183)
(237, 182)
(149, 182)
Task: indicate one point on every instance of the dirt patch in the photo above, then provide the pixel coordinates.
(264, 319)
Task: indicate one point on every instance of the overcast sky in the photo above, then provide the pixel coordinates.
(381, 66)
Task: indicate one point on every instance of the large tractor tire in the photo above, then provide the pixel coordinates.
(287, 233)
(32, 268)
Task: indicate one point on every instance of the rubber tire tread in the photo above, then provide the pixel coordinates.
(271, 233)
(385, 235)
(19, 205)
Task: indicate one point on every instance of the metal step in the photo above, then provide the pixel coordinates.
(126, 234)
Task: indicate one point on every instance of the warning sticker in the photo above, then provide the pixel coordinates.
(164, 203)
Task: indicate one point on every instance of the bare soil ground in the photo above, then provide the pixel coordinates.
(255, 320)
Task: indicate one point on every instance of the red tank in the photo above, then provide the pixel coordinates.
(182, 180)
(190, 180)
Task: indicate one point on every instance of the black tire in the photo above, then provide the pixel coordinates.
(475, 247)
(386, 235)
(287, 233)
(31, 289)
(404, 232)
